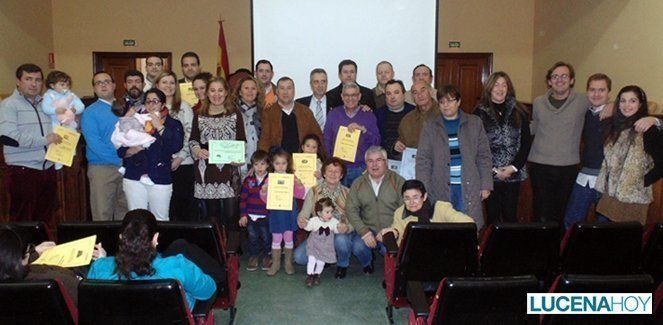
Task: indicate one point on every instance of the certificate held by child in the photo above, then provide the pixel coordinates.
(280, 191)
(226, 151)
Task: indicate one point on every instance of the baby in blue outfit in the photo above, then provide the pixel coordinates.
(60, 104)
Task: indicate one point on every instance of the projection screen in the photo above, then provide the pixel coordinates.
(300, 35)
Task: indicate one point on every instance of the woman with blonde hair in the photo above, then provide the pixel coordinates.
(218, 185)
(249, 97)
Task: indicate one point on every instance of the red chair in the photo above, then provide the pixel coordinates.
(492, 300)
(138, 302)
(652, 251)
(428, 253)
(602, 248)
(36, 302)
(205, 235)
(658, 305)
(584, 283)
(509, 249)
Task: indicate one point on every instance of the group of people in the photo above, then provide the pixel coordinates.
(462, 159)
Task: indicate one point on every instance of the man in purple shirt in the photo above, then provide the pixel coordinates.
(355, 119)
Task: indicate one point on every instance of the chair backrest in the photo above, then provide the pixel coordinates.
(33, 232)
(35, 302)
(586, 283)
(519, 249)
(602, 248)
(652, 253)
(493, 300)
(132, 302)
(432, 251)
(107, 233)
(204, 234)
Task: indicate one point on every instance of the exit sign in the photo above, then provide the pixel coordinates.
(454, 43)
(129, 42)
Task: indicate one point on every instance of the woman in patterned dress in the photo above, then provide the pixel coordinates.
(218, 185)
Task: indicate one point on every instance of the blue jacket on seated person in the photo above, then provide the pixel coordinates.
(155, 161)
(196, 284)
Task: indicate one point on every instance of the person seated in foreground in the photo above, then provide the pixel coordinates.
(418, 208)
(16, 256)
(137, 259)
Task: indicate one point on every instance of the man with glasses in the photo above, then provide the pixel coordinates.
(355, 119)
(25, 133)
(154, 66)
(107, 200)
(347, 73)
(372, 200)
(557, 122)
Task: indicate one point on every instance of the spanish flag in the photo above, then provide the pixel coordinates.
(222, 66)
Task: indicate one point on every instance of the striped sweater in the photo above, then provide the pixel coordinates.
(250, 201)
(23, 130)
(454, 150)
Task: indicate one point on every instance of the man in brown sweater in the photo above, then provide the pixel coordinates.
(413, 122)
(286, 123)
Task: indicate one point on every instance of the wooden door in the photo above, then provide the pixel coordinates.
(467, 71)
(117, 63)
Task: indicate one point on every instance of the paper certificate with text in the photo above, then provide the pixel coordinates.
(346, 144)
(305, 165)
(64, 151)
(408, 163)
(280, 191)
(226, 151)
(71, 254)
(187, 93)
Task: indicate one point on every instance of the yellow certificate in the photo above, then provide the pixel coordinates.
(280, 191)
(71, 254)
(187, 93)
(64, 152)
(305, 166)
(346, 144)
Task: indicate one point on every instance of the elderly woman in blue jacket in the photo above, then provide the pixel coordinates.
(147, 181)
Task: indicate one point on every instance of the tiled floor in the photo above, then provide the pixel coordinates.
(284, 299)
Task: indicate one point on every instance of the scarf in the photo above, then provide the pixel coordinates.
(149, 128)
(424, 215)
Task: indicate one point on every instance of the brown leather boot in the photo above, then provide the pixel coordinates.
(276, 262)
(287, 261)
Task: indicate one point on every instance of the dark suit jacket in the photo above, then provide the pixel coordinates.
(334, 97)
(306, 101)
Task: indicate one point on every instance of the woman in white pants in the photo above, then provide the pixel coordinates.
(147, 181)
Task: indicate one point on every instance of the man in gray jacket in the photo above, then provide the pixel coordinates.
(25, 133)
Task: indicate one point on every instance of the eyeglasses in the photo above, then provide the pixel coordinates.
(152, 102)
(559, 76)
(103, 82)
(351, 95)
(448, 101)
